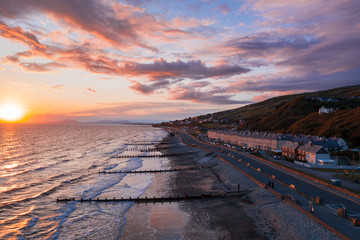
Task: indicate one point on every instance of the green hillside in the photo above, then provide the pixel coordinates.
(299, 114)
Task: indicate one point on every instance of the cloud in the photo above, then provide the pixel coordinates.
(278, 83)
(58, 87)
(87, 91)
(18, 34)
(291, 46)
(210, 97)
(182, 22)
(91, 90)
(147, 89)
(98, 61)
(193, 69)
(93, 17)
(40, 67)
(11, 59)
(223, 8)
(304, 46)
(151, 111)
(125, 26)
(199, 84)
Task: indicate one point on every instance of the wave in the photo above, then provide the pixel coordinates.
(64, 162)
(46, 192)
(111, 166)
(77, 179)
(16, 217)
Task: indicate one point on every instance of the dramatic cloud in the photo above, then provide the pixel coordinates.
(284, 84)
(201, 51)
(18, 34)
(194, 69)
(211, 97)
(150, 88)
(94, 17)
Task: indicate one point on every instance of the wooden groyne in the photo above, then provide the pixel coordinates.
(152, 171)
(148, 143)
(153, 149)
(154, 199)
(156, 149)
(149, 155)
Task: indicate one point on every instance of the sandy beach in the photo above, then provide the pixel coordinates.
(258, 214)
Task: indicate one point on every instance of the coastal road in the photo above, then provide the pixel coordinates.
(286, 182)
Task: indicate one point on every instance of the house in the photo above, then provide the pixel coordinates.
(250, 140)
(289, 149)
(329, 144)
(302, 150)
(314, 154)
(325, 110)
(341, 142)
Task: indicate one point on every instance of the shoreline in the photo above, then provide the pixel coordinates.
(257, 214)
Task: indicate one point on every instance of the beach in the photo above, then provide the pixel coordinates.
(256, 214)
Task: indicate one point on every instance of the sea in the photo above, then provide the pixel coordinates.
(42, 163)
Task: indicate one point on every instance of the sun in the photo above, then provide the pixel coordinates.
(11, 112)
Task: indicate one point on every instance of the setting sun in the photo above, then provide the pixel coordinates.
(11, 112)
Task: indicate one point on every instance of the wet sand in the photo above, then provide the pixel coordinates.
(257, 215)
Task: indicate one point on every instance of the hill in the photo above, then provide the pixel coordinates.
(298, 114)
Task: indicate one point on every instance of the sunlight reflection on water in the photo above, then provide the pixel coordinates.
(40, 163)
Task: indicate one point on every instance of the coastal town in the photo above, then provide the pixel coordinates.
(313, 150)
(295, 139)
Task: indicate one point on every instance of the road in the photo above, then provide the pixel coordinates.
(301, 188)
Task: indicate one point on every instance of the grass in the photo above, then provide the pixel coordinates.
(334, 170)
(348, 177)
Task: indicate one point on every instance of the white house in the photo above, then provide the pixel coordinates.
(315, 153)
(325, 110)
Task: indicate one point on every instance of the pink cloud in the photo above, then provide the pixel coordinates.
(40, 67)
(18, 34)
(91, 90)
(58, 87)
(182, 22)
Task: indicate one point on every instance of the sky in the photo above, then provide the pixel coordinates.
(154, 60)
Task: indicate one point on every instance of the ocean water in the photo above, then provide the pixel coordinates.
(40, 163)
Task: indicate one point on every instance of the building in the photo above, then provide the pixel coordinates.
(250, 140)
(286, 143)
(301, 152)
(324, 110)
(316, 153)
(289, 149)
(341, 142)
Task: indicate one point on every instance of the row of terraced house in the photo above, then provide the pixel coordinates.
(311, 149)
(250, 140)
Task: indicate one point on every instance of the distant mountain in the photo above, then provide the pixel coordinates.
(65, 121)
(112, 122)
(299, 114)
(117, 122)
